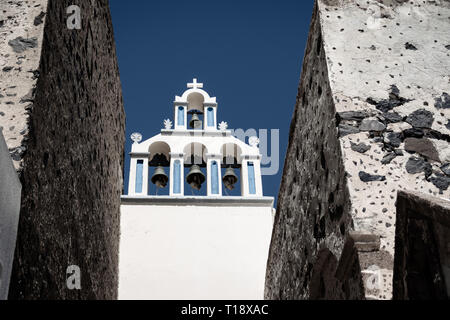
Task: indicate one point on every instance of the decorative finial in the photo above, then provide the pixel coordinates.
(253, 141)
(195, 84)
(223, 126)
(168, 124)
(136, 137)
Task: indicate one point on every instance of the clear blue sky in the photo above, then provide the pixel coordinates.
(248, 54)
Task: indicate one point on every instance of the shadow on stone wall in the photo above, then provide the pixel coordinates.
(422, 243)
(311, 256)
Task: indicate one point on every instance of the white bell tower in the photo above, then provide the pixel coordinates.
(209, 245)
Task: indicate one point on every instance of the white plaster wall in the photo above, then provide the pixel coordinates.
(194, 252)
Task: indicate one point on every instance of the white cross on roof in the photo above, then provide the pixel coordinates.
(195, 84)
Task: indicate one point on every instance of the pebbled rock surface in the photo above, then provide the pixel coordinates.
(446, 169)
(442, 101)
(420, 118)
(423, 147)
(417, 165)
(367, 177)
(360, 147)
(371, 125)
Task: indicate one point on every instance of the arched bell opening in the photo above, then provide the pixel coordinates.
(195, 101)
(231, 169)
(195, 153)
(195, 171)
(195, 111)
(159, 168)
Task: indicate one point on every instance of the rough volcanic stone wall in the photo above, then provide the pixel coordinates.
(71, 154)
(307, 259)
(388, 68)
(422, 255)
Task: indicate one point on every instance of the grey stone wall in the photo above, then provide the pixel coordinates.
(10, 189)
(386, 66)
(71, 148)
(307, 259)
(422, 241)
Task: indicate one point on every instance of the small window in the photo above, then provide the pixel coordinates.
(139, 176)
(180, 117)
(214, 178)
(177, 176)
(251, 178)
(210, 117)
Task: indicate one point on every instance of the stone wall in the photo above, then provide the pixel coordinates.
(386, 64)
(422, 241)
(9, 216)
(67, 142)
(307, 259)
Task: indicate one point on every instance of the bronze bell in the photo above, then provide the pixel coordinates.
(195, 177)
(159, 178)
(229, 178)
(195, 122)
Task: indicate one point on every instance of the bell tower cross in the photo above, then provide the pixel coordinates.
(195, 84)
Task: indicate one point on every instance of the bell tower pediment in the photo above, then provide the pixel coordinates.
(193, 94)
(210, 154)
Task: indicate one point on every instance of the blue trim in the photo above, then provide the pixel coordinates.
(139, 176)
(251, 178)
(210, 117)
(214, 178)
(176, 176)
(180, 117)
